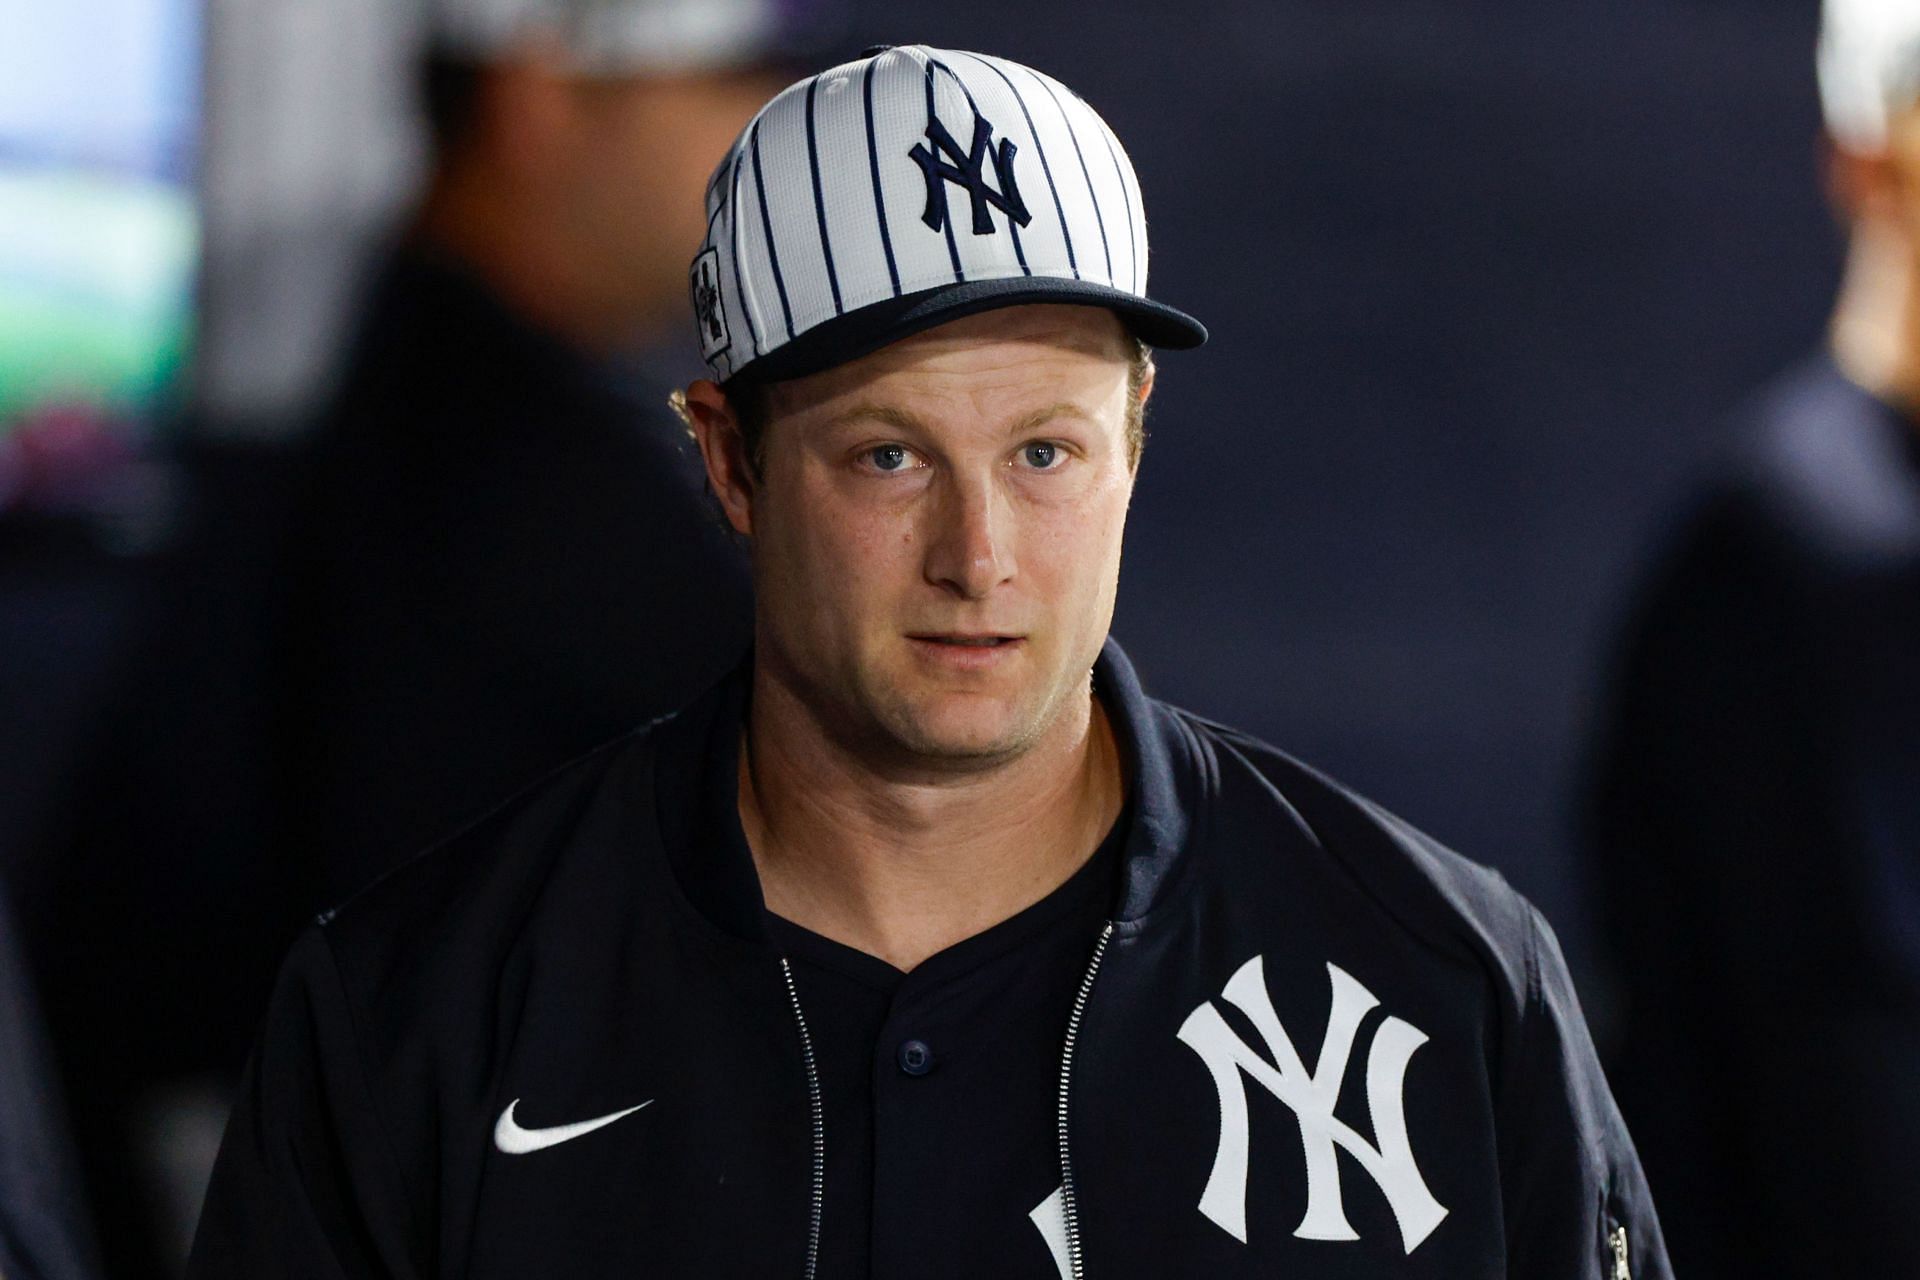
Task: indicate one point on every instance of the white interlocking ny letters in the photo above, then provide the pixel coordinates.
(1312, 1096)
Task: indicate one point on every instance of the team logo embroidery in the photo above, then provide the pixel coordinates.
(1049, 1217)
(967, 169)
(704, 281)
(1312, 1097)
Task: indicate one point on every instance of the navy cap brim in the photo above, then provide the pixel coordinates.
(866, 330)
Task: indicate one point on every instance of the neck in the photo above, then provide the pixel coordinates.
(1875, 334)
(900, 862)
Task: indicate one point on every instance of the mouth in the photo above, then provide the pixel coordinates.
(973, 652)
(965, 640)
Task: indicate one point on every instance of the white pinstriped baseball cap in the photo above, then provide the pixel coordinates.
(907, 188)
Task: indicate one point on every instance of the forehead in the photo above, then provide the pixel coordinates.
(1903, 123)
(1051, 349)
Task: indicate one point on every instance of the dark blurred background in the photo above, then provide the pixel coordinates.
(1484, 280)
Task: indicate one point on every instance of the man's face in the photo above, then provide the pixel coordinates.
(1903, 165)
(936, 532)
(640, 150)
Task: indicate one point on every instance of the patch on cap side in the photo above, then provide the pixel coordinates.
(704, 284)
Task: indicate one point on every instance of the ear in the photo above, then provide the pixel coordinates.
(729, 470)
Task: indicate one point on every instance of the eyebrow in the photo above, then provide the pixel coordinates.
(1039, 417)
(886, 413)
(894, 416)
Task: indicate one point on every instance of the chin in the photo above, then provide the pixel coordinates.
(961, 728)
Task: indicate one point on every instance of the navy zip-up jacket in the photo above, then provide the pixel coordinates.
(1310, 1042)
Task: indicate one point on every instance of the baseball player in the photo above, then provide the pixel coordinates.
(927, 944)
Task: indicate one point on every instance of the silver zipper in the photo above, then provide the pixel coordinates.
(1617, 1240)
(1069, 1208)
(819, 1125)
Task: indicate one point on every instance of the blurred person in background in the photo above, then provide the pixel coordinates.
(1757, 811)
(43, 1221)
(500, 553)
(504, 555)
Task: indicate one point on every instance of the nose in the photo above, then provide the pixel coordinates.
(969, 549)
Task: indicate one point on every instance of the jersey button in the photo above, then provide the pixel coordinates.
(916, 1059)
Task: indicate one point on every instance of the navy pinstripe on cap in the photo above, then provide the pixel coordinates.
(907, 188)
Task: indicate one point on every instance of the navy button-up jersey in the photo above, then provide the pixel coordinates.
(1307, 1041)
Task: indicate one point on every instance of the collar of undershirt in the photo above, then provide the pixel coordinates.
(1090, 888)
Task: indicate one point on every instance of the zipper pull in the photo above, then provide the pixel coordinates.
(1617, 1239)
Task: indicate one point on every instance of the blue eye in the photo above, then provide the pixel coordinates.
(1041, 456)
(888, 457)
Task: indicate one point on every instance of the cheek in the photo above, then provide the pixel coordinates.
(1078, 543)
(856, 544)
(840, 558)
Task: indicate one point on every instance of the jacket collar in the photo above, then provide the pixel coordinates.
(696, 780)
(1165, 778)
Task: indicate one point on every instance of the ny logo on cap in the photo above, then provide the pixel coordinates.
(948, 163)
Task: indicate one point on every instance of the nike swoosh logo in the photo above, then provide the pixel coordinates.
(515, 1141)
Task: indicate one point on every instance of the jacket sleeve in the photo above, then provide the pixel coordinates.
(1571, 1181)
(306, 1184)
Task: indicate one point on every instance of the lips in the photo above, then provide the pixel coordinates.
(964, 640)
(973, 652)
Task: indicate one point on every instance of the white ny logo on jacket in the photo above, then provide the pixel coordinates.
(1312, 1096)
